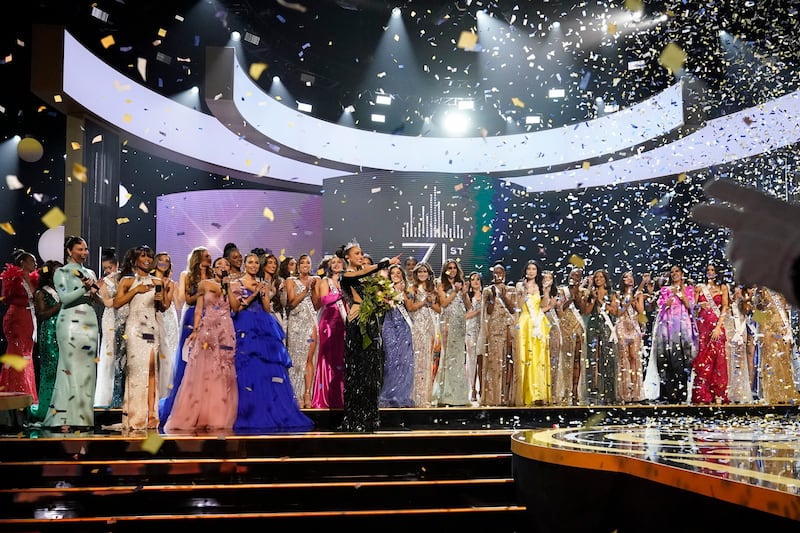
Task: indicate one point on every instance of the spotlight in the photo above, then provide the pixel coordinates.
(276, 79)
(350, 109)
(556, 25)
(236, 36)
(456, 123)
(396, 12)
(195, 89)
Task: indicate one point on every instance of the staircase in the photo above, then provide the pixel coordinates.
(392, 479)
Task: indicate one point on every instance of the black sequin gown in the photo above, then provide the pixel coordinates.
(363, 367)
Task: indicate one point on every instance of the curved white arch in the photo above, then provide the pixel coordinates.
(742, 134)
(630, 127)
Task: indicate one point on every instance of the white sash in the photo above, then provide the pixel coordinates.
(573, 308)
(739, 325)
(536, 323)
(609, 324)
(340, 301)
(31, 307)
(710, 299)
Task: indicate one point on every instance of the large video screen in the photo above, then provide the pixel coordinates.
(284, 223)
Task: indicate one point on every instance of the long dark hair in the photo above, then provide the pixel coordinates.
(131, 256)
(538, 277)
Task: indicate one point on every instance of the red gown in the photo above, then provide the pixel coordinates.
(18, 328)
(711, 364)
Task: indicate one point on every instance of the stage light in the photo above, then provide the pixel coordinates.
(276, 79)
(383, 99)
(350, 109)
(195, 89)
(455, 123)
(304, 107)
(466, 104)
(252, 39)
(556, 25)
(396, 12)
(236, 36)
(308, 79)
(556, 93)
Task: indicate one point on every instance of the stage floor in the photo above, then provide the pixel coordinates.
(746, 461)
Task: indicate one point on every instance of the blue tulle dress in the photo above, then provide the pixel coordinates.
(179, 367)
(266, 399)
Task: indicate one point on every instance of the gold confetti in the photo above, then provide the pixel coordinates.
(152, 443)
(634, 5)
(17, 362)
(672, 58)
(123, 220)
(127, 118)
(54, 218)
(75, 145)
(681, 177)
(79, 173)
(257, 69)
(585, 165)
(576, 261)
(485, 228)
(517, 102)
(57, 98)
(8, 228)
(269, 214)
(611, 28)
(595, 419)
(759, 316)
(107, 41)
(162, 32)
(467, 40)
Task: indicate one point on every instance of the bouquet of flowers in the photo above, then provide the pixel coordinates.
(380, 295)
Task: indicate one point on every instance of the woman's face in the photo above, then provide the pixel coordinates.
(599, 279)
(291, 266)
(144, 261)
(355, 256)
(676, 274)
(235, 259)
(335, 264)
(29, 264)
(304, 266)
(163, 263)
(711, 272)
(531, 271)
(475, 282)
(627, 279)
(79, 252)
(271, 266)
(221, 267)
(451, 270)
(205, 258)
(396, 275)
(251, 265)
(109, 267)
(499, 274)
(547, 278)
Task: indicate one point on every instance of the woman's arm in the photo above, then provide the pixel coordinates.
(43, 312)
(125, 293)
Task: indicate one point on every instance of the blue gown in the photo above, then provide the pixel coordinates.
(398, 368)
(266, 399)
(179, 367)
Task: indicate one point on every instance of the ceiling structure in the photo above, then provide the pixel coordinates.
(339, 56)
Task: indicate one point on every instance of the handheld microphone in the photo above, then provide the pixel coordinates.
(84, 278)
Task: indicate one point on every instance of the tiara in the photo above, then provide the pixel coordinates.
(351, 243)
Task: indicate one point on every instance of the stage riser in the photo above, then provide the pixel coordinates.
(87, 448)
(503, 520)
(20, 477)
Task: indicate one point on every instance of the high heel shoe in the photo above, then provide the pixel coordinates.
(307, 400)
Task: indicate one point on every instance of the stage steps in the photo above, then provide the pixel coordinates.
(379, 481)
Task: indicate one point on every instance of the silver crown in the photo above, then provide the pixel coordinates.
(351, 243)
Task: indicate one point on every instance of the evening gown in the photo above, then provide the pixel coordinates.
(533, 381)
(363, 367)
(398, 368)
(178, 363)
(710, 382)
(267, 402)
(77, 332)
(423, 332)
(19, 327)
(48, 356)
(143, 335)
(450, 384)
(207, 397)
(329, 375)
(601, 356)
(105, 354)
(169, 345)
(300, 324)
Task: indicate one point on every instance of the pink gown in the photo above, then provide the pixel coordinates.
(329, 375)
(208, 394)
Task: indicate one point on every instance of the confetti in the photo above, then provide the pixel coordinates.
(17, 362)
(107, 41)
(672, 58)
(152, 443)
(268, 214)
(123, 220)
(467, 40)
(13, 183)
(54, 218)
(257, 69)
(79, 173)
(576, 261)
